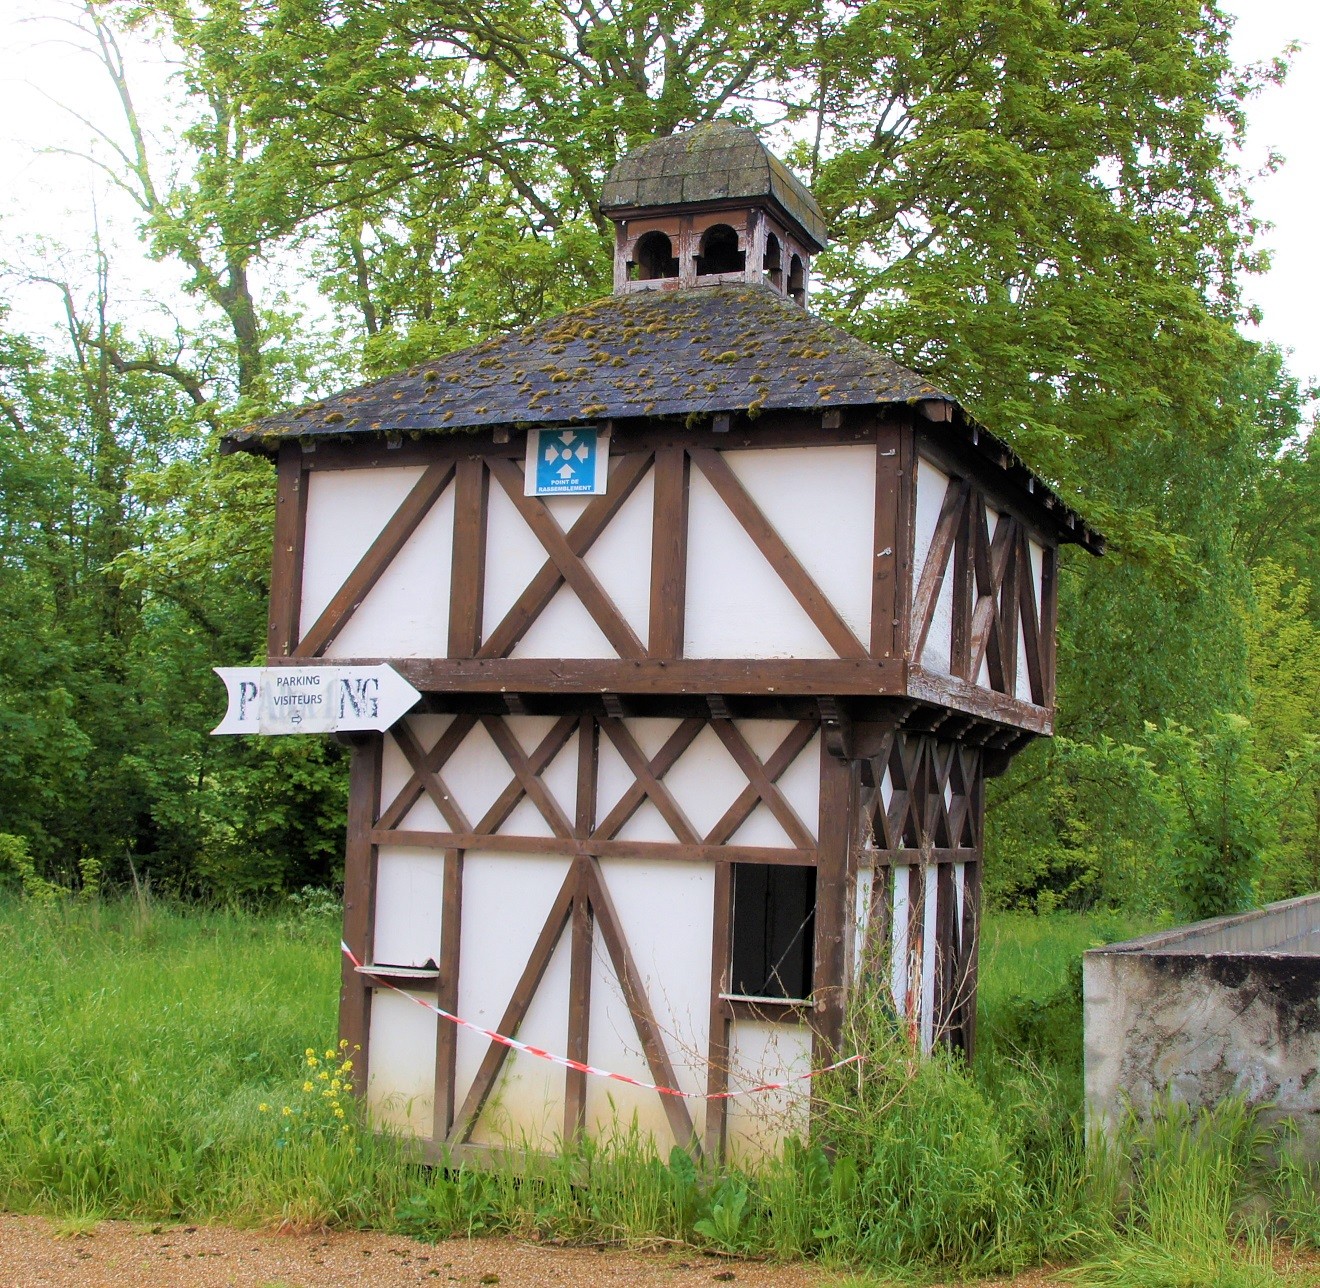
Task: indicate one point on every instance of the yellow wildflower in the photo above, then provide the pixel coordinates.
(343, 1042)
(307, 1086)
(348, 1086)
(325, 1077)
(312, 1062)
(335, 1084)
(339, 1112)
(310, 1051)
(263, 1109)
(287, 1111)
(346, 1066)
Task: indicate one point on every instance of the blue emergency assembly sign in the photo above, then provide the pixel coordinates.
(564, 462)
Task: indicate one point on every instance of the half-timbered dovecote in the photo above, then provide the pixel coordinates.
(722, 620)
(708, 206)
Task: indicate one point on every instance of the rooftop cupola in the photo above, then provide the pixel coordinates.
(707, 206)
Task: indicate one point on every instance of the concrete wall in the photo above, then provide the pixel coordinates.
(1224, 1007)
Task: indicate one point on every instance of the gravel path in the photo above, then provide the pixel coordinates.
(35, 1253)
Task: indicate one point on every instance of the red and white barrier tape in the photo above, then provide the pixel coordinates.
(577, 1065)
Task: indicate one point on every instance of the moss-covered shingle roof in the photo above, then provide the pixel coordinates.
(651, 353)
(712, 162)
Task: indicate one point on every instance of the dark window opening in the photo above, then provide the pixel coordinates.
(655, 257)
(797, 280)
(774, 922)
(719, 252)
(773, 262)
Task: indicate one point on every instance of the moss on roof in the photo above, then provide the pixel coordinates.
(653, 353)
(711, 162)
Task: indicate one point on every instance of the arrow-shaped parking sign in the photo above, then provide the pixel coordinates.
(313, 699)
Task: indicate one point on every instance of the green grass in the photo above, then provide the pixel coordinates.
(140, 1044)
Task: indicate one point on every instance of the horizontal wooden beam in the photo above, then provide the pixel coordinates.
(951, 691)
(754, 676)
(676, 850)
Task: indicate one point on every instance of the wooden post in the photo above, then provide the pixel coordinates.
(834, 877)
(282, 624)
(446, 994)
(360, 900)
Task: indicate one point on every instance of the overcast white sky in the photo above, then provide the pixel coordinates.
(53, 195)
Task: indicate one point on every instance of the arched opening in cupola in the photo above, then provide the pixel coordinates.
(773, 264)
(719, 252)
(797, 280)
(654, 257)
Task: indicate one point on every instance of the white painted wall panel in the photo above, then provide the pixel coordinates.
(736, 604)
(932, 483)
(621, 558)
(526, 1107)
(800, 784)
(1023, 689)
(929, 955)
(513, 557)
(902, 949)
(665, 911)
(613, 775)
(395, 770)
(409, 892)
(765, 1052)
(937, 654)
(861, 919)
(821, 501)
(761, 828)
(506, 898)
(401, 1071)
(346, 510)
(564, 628)
(705, 781)
(406, 613)
(476, 774)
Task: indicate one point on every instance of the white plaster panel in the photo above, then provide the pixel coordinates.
(409, 893)
(395, 771)
(1022, 683)
(1023, 687)
(761, 828)
(705, 781)
(513, 557)
(821, 501)
(506, 899)
(346, 510)
(937, 653)
(560, 777)
(613, 778)
(764, 736)
(566, 510)
(760, 1051)
(929, 954)
(736, 604)
(932, 483)
(525, 820)
(621, 558)
(406, 613)
(647, 824)
(476, 774)
(665, 912)
(526, 1106)
(564, 628)
(901, 951)
(960, 895)
(800, 785)
(651, 733)
(861, 917)
(529, 731)
(401, 1071)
